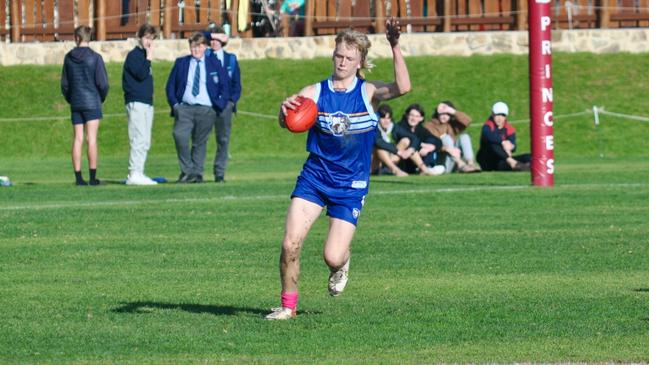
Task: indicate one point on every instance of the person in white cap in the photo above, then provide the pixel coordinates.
(498, 143)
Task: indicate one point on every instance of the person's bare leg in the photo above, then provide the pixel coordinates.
(92, 128)
(387, 159)
(423, 169)
(337, 252)
(77, 148)
(403, 143)
(301, 216)
(299, 219)
(77, 145)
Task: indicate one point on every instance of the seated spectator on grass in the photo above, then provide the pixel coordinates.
(449, 124)
(387, 154)
(498, 143)
(409, 133)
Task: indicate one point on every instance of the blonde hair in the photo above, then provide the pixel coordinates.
(359, 41)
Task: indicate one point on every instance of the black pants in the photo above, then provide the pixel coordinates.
(495, 163)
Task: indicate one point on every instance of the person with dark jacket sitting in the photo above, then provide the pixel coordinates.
(498, 143)
(410, 133)
(387, 153)
(84, 83)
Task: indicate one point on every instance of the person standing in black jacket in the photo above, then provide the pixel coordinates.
(137, 82)
(84, 83)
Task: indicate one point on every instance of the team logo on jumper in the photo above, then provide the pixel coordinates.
(338, 123)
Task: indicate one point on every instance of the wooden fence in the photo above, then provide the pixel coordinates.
(50, 20)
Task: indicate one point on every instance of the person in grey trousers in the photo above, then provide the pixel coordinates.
(198, 91)
(223, 124)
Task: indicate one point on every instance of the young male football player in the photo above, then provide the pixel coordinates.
(336, 173)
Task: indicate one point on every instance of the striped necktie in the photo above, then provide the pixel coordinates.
(197, 78)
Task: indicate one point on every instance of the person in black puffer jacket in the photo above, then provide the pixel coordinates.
(84, 83)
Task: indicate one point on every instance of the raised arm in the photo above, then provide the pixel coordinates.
(401, 84)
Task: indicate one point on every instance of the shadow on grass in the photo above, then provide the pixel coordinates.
(217, 310)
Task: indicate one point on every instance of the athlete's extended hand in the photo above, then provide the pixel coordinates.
(392, 31)
(290, 102)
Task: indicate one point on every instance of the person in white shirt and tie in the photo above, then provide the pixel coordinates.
(197, 91)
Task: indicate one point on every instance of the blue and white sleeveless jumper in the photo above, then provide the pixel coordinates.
(341, 142)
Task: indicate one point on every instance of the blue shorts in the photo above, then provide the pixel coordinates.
(346, 208)
(83, 116)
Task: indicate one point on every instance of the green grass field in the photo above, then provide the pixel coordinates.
(479, 268)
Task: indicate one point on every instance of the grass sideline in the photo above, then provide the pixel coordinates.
(477, 268)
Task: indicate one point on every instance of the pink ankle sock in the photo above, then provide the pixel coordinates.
(289, 300)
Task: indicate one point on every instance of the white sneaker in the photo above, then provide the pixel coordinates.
(138, 178)
(281, 313)
(338, 280)
(437, 170)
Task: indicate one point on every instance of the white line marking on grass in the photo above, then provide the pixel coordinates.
(114, 203)
(449, 190)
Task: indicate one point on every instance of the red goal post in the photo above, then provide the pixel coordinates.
(541, 96)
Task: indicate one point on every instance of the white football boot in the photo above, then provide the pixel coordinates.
(281, 313)
(338, 280)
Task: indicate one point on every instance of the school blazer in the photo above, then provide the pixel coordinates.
(218, 82)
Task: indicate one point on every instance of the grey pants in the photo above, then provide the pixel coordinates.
(192, 122)
(223, 126)
(140, 121)
(463, 142)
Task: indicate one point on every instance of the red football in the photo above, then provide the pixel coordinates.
(302, 117)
